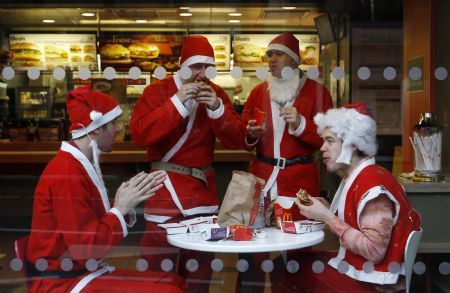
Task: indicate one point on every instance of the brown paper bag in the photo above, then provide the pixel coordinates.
(242, 200)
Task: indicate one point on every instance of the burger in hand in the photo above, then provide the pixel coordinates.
(303, 197)
(26, 54)
(143, 51)
(115, 53)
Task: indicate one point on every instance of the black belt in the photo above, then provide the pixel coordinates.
(33, 272)
(282, 162)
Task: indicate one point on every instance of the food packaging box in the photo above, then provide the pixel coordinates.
(300, 227)
(215, 233)
(200, 220)
(174, 228)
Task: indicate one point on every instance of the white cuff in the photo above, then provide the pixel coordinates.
(301, 127)
(216, 113)
(251, 144)
(179, 105)
(131, 218)
(122, 221)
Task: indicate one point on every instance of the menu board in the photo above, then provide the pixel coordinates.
(47, 51)
(250, 50)
(147, 51)
(221, 46)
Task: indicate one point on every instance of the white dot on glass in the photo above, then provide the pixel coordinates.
(59, 73)
(66, 264)
(415, 73)
(368, 267)
(91, 265)
(440, 73)
(33, 73)
(236, 72)
(444, 268)
(8, 73)
(84, 73)
(419, 268)
(41, 264)
(364, 73)
(16, 264)
(192, 265)
(142, 265)
(318, 267)
(292, 266)
(261, 72)
(166, 265)
(242, 265)
(211, 72)
(185, 73)
(109, 73)
(287, 72)
(160, 72)
(338, 73)
(217, 265)
(313, 73)
(342, 267)
(267, 266)
(134, 72)
(389, 73)
(394, 267)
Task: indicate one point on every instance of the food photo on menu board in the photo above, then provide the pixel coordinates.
(221, 47)
(249, 50)
(147, 51)
(47, 51)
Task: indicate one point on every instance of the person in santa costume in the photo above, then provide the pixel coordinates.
(370, 213)
(286, 142)
(178, 120)
(74, 224)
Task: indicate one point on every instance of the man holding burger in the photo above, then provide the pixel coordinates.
(177, 120)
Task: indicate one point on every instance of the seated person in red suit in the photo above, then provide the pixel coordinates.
(74, 223)
(370, 213)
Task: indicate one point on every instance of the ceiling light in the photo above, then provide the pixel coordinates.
(185, 8)
(185, 14)
(289, 7)
(141, 20)
(88, 14)
(48, 20)
(234, 20)
(234, 14)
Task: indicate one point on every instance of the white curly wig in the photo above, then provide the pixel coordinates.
(354, 125)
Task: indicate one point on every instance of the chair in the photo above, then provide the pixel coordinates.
(410, 254)
(20, 246)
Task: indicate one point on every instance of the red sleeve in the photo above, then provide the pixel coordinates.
(154, 116)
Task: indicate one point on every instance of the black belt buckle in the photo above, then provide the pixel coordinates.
(281, 163)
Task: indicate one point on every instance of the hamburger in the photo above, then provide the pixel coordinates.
(248, 55)
(75, 48)
(89, 49)
(143, 51)
(115, 53)
(26, 54)
(303, 197)
(219, 48)
(89, 58)
(75, 58)
(55, 54)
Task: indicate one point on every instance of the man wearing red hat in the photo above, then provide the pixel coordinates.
(286, 143)
(370, 212)
(177, 120)
(74, 223)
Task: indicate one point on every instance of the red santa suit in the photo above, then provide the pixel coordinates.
(74, 227)
(281, 142)
(185, 135)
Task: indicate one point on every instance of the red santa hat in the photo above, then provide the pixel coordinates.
(89, 109)
(196, 49)
(354, 125)
(287, 43)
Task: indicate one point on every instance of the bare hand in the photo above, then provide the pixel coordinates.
(138, 189)
(207, 95)
(291, 116)
(317, 211)
(254, 131)
(187, 91)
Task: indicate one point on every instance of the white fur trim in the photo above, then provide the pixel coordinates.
(179, 105)
(216, 113)
(301, 127)
(105, 118)
(351, 126)
(374, 192)
(286, 50)
(121, 219)
(198, 59)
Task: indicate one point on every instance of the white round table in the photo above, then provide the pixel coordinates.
(275, 241)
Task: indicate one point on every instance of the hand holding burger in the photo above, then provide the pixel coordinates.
(313, 208)
(207, 95)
